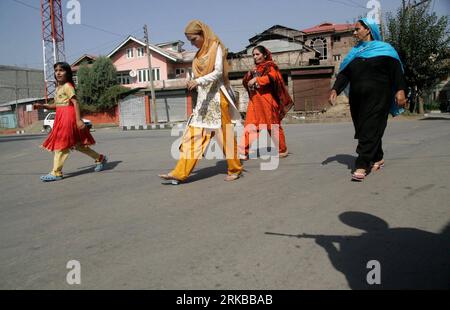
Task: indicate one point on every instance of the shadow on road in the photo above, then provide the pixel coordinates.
(109, 166)
(410, 258)
(435, 119)
(208, 172)
(344, 159)
(205, 173)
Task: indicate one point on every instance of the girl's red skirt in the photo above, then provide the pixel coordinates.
(65, 133)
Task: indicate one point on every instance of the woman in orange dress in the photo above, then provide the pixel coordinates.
(69, 131)
(269, 102)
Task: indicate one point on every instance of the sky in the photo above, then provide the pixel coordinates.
(106, 23)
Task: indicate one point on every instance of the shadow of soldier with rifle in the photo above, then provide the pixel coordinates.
(409, 258)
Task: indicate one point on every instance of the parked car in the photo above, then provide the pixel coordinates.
(50, 119)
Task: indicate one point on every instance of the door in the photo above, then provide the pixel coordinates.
(132, 112)
(311, 93)
(171, 107)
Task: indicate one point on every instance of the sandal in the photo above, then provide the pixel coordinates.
(378, 166)
(232, 177)
(358, 176)
(99, 166)
(244, 157)
(168, 177)
(283, 155)
(50, 178)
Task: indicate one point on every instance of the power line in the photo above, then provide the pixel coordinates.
(105, 44)
(26, 4)
(101, 29)
(357, 4)
(354, 5)
(419, 3)
(82, 24)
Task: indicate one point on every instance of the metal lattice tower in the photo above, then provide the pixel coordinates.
(52, 41)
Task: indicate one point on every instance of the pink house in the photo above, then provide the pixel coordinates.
(169, 62)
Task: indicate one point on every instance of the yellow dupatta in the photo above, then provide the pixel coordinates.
(205, 58)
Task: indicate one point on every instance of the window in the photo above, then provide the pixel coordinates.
(337, 39)
(130, 53)
(320, 45)
(337, 57)
(141, 52)
(144, 77)
(123, 78)
(179, 71)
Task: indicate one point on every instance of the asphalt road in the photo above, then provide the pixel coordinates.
(130, 231)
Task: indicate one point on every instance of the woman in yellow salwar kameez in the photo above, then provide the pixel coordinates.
(214, 109)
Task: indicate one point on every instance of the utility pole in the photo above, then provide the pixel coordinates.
(150, 73)
(17, 98)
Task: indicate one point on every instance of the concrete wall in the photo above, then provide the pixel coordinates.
(27, 118)
(284, 60)
(29, 83)
(334, 48)
(105, 117)
(276, 46)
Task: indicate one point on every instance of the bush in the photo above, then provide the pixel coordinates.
(432, 106)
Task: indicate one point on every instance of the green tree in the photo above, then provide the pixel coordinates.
(422, 41)
(97, 86)
(84, 88)
(110, 98)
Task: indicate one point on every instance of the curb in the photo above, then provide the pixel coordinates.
(150, 127)
(12, 132)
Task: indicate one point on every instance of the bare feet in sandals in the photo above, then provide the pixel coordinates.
(232, 177)
(359, 175)
(378, 166)
(284, 155)
(169, 177)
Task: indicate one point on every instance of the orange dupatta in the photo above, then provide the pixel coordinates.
(279, 90)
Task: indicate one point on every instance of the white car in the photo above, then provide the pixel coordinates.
(50, 119)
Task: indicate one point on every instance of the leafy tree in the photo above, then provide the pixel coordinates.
(84, 88)
(422, 40)
(97, 85)
(111, 96)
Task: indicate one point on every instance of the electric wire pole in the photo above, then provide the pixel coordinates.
(150, 73)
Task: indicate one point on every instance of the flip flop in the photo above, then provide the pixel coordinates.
(50, 178)
(101, 165)
(170, 178)
(283, 155)
(377, 167)
(358, 176)
(232, 177)
(243, 157)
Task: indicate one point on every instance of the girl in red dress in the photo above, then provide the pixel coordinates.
(69, 131)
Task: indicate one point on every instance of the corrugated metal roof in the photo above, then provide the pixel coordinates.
(21, 101)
